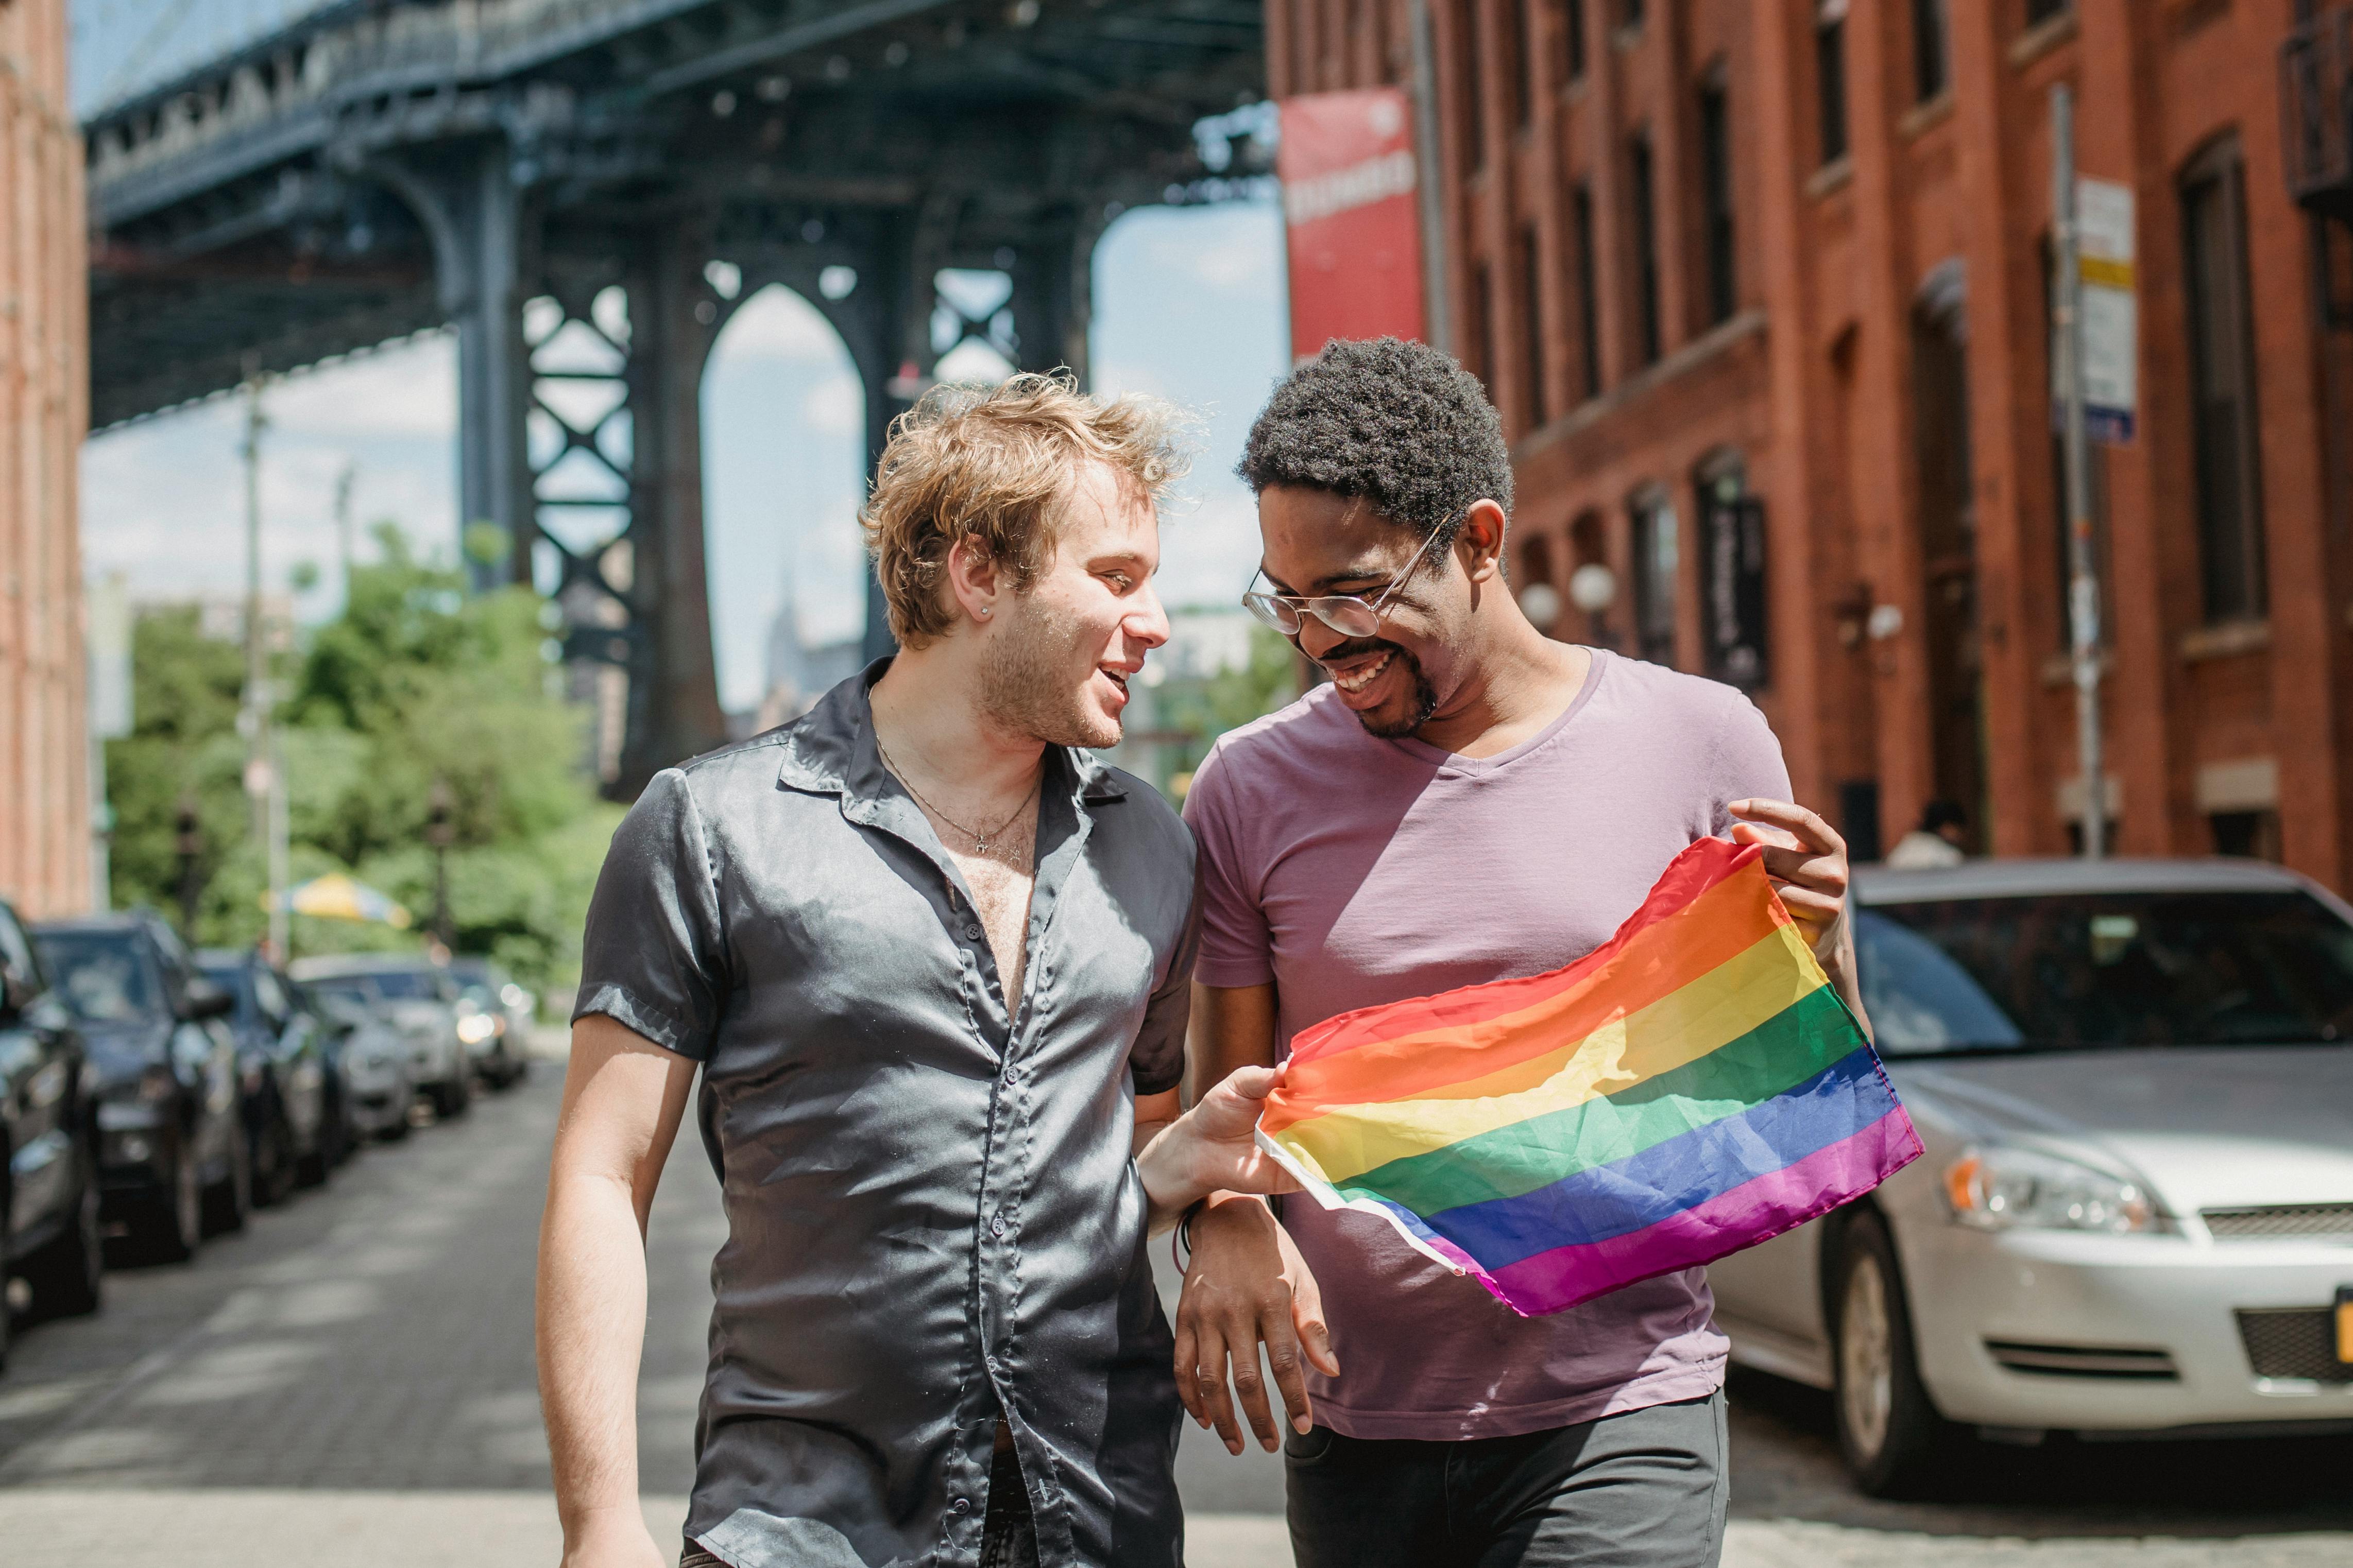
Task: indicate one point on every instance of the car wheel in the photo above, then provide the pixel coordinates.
(176, 1225)
(68, 1275)
(1889, 1432)
(451, 1099)
(273, 1165)
(230, 1201)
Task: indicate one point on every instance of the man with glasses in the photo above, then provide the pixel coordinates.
(1466, 801)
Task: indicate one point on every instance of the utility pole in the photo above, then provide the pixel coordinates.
(1428, 184)
(343, 521)
(188, 845)
(2082, 571)
(265, 784)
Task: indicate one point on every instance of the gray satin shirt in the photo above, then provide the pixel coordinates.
(933, 1210)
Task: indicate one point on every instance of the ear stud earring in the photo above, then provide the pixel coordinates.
(984, 612)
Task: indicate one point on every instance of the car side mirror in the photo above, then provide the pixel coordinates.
(203, 999)
(16, 994)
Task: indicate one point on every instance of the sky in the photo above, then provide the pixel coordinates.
(1188, 306)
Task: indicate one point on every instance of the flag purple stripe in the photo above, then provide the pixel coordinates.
(1777, 1201)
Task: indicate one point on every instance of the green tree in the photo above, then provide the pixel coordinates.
(415, 681)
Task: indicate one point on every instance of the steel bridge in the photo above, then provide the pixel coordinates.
(586, 189)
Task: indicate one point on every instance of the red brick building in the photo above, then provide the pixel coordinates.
(1793, 253)
(45, 846)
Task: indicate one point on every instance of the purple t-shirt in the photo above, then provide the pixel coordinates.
(1351, 870)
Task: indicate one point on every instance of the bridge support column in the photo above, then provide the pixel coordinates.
(673, 704)
(1053, 296)
(483, 244)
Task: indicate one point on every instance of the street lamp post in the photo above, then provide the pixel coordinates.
(188, 847)
(2082, 579)
(439, 833)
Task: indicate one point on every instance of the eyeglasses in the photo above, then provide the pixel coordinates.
(1350, 615)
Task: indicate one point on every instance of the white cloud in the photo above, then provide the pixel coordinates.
(778, 324)
(836, 406)
(410, 389)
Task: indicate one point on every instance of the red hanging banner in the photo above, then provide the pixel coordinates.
(1350, 213)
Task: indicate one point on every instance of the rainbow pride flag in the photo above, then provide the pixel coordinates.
(1692, 1087)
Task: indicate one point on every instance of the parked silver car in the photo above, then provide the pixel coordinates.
(2135, 1217)
(416, 996)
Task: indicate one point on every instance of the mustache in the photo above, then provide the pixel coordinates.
(1357, 648)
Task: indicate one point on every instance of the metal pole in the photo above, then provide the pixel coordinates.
(1436, 329)
(250, 720)
(343, 521)
(2082, 571)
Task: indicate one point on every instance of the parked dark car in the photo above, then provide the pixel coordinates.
(174, 1160)
(375, 1068)
(48, 1160)
(492, 993)
(291, 1119)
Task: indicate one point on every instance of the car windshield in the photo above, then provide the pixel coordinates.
(237, 981)
(2091, 971)
(408, 984)
(102, 976)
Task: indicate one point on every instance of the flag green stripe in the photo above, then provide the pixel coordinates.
(1784, 1051)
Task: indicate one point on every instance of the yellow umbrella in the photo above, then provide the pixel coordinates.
(335, 897)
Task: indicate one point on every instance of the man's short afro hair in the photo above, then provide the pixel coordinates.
(1396, 423)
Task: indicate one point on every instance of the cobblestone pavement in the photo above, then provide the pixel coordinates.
(349, 1384)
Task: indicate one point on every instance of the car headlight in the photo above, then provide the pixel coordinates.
(1999, 1188)
(476, 1028)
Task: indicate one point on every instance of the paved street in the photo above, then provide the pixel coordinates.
(350, 1383)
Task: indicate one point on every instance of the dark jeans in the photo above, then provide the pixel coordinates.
(1008, 1535)
(1642, 1489)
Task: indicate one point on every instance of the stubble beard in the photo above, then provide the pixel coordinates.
(1425, 701)
(1026, 686)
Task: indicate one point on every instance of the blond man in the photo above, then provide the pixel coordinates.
(931, 961)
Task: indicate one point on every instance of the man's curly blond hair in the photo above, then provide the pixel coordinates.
(991, 464)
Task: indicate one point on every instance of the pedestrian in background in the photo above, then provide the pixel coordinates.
(1940, 840)
(933, 961)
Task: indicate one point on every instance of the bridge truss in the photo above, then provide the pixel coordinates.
(586, 189)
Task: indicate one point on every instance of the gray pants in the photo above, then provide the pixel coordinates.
(1642, 1489)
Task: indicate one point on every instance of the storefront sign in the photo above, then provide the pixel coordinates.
(1350, 215)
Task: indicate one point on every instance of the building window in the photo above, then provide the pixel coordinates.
(1573, 26)
(1932, 42)
(1630, 14)
(2039, 11)
(1530, 78)
(2222, 373)
(1533, 364)
(1658, 555)
(1642, 202)
(1589, 300)
(1716, 196)
(1829, 76)
(1468, 47)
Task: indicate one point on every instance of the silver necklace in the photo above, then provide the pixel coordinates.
(979, 840)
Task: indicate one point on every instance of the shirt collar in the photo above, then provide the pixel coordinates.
(831, 750)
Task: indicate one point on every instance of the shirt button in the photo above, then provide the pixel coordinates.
(961, 1505)
(997, 1225)
(972, 932)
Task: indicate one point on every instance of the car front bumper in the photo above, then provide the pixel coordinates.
(2043, 1330)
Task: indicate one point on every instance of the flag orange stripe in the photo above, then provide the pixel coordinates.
(1520, 1049)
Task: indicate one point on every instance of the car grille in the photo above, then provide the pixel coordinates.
(2288, 1220)
(2086, 1361)
(2293, 1341)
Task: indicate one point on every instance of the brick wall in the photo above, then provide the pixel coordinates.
(45, 847)
(1880, 298)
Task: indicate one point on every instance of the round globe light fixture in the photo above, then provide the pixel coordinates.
(1593, 587)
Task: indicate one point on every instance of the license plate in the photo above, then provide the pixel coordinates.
(2345, 1325)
